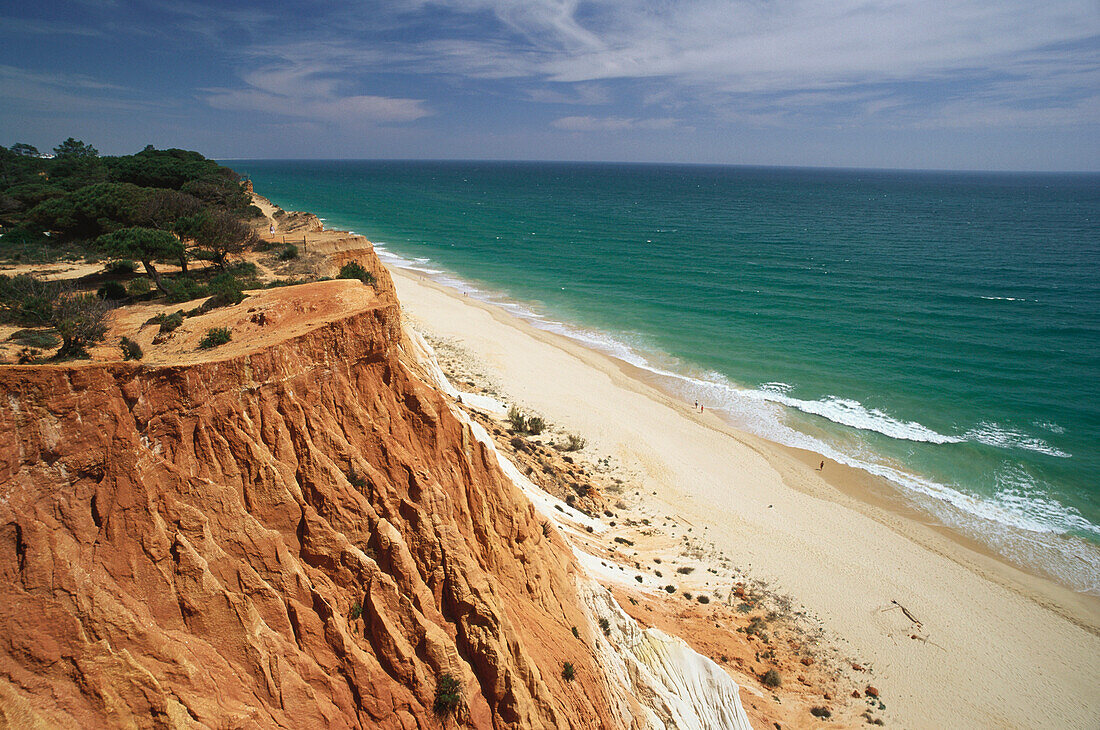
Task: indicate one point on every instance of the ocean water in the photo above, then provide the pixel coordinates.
(938, 329)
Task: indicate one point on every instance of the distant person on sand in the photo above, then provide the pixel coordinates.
(696, 404)
(821, 467)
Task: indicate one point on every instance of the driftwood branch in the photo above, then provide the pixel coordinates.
(908, 615)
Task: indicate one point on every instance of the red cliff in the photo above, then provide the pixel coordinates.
(292, 530)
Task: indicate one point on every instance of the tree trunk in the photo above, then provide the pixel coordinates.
(154, 275)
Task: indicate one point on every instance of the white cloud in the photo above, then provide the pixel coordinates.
(611, 124)
(61, 93)
(311, 92)
(717, 51)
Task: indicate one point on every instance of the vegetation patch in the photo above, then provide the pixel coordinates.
(568, 673)
(130, 349)
(573, 442)
(355, 270)
(112, 291)
(214, 337)
(80, 319)
(448, 693)
(40, 338)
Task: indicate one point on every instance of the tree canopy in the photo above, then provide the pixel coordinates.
(75, 148)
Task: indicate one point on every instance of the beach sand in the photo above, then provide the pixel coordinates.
(951, 636)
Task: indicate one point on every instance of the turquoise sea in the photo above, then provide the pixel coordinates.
(938, 329)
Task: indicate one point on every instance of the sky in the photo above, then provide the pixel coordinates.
(917, 84)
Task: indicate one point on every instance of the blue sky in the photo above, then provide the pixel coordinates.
(956, 84)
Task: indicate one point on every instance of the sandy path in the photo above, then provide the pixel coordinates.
(996, 648)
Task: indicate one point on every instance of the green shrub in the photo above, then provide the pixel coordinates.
(288, 253)
(138, 287)
(771, 678)
(670, 589)
(447, 695)
(605, 626)
(576, 634)
(184, 289)
(112, 291)
(685, 569)
(517, 419)
(567, 671)
(130, 349)
(355, 270)
(574, 442)
(822, 712)
(215, 336)
(41, 339)
(120, 268)
(703, 599)
(535, 425)
(168, 322)
(356, 611)
(226, 291)
(356, 479)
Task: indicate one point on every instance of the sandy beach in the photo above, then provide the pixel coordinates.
(952, 636)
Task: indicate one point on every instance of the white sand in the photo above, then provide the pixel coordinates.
(998, 648)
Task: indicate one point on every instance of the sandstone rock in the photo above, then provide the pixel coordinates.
(181, 546)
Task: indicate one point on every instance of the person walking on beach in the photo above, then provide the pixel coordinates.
(821, 467)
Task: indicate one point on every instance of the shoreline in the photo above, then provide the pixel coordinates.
(855, 518)
(1055, 560)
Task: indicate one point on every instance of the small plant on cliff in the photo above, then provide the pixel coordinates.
(355, 270)
(215, 336)
(771, 678)
(288, 253)
(605, 626)
(356, 611)
(167, 322)
(535, 425)
(447, 695)
(567, 671)
(130, 349)
(356, 479)
(576, 634)
(670, 589)
(574, 443)
(546, 529)
(822, 712)
(518, 420)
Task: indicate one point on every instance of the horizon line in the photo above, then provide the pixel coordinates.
(666, 163)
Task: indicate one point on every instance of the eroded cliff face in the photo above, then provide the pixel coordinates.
(296, 535)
